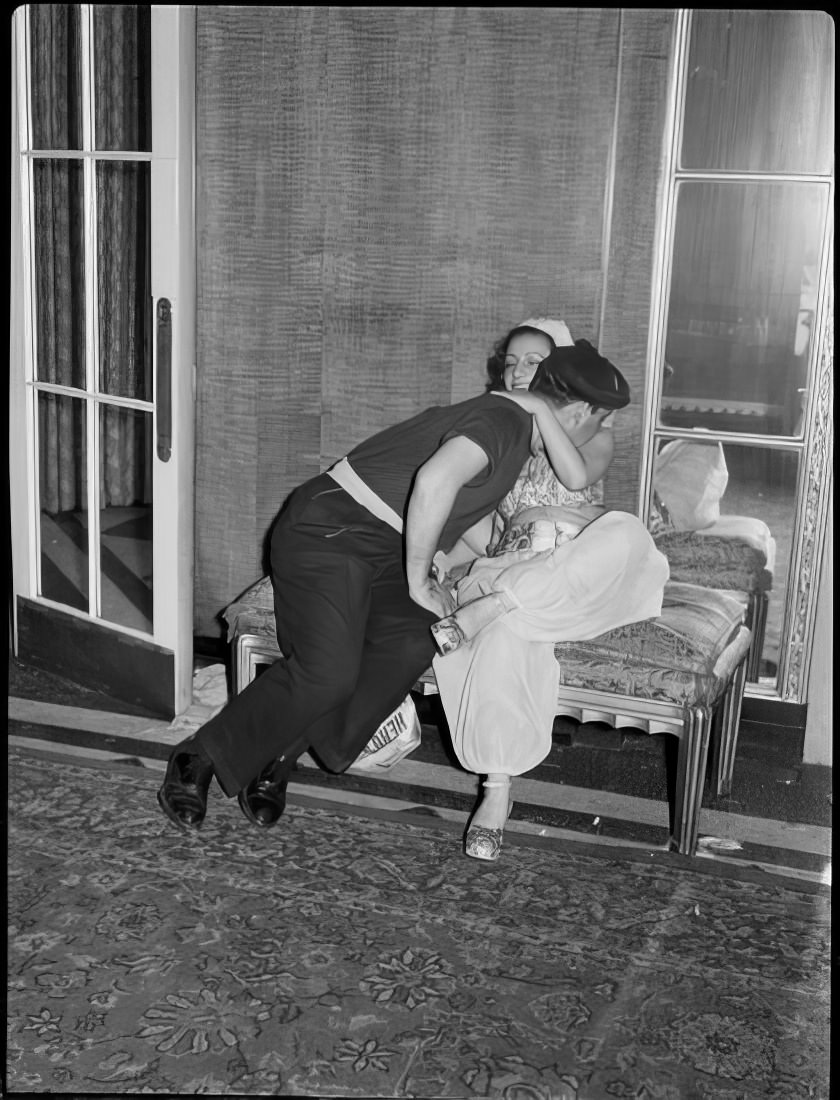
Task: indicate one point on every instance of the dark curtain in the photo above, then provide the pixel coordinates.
(121, 43)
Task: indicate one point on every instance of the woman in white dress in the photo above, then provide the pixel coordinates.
(558, 567)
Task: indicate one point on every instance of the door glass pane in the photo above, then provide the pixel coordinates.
(122, 96)
(63, 500)
(760, 91)
(123, 250)
(125, 517)
(742, 305)
(55, 69)
(738, 515)
(58, 187)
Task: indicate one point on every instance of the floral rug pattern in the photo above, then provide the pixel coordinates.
(344, 956)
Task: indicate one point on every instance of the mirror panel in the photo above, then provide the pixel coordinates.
(742, 305)
(759, 91)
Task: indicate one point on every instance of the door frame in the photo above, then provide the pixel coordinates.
(169, 650)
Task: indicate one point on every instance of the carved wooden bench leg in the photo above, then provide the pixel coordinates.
(250, 650)
(691, 774)
(730, 718)
(757, 622)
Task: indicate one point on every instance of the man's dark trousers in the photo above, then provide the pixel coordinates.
(353, 640)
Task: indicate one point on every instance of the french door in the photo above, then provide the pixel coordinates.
(101, 353)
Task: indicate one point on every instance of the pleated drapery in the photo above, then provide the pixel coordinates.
(121, 263)
(382, 192)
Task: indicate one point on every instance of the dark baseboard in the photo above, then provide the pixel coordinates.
(774, 712)
(773, 728)
(96, 658)
(207, 648)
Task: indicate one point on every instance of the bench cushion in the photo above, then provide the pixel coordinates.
(676, 658)
(252, 612)
(715, 561)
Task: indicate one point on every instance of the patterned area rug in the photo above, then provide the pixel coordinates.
(340, 955)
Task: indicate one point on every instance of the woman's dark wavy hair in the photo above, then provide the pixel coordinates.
(496, 362)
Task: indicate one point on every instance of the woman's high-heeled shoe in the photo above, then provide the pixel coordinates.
(481, 842)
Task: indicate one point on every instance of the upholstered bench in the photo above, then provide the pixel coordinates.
(682, 673)
(251, 632)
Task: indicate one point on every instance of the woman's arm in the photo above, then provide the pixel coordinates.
(597, 454)
(576, 466)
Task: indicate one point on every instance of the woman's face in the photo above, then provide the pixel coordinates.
(525, 352)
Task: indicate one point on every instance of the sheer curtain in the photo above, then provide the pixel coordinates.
(121, 265)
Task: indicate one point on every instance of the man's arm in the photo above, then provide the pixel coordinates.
(436, 486)
(471, 545)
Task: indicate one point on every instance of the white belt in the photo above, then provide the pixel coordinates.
(361, 492)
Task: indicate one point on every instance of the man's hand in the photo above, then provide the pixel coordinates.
(434, 597)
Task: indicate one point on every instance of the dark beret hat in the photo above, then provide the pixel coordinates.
(586, 374)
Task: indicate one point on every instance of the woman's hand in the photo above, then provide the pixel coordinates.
(434, 597)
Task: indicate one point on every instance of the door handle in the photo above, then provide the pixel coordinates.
(163, 379)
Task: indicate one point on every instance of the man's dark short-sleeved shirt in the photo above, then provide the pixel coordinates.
(389, 460)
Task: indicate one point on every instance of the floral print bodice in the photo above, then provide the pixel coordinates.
(537, 485)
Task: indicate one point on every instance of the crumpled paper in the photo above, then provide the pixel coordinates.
(210, 693)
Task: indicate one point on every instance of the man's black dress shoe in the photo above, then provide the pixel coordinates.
(183, 795)
(264, 799)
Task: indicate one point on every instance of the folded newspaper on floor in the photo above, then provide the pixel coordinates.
(398, 735)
